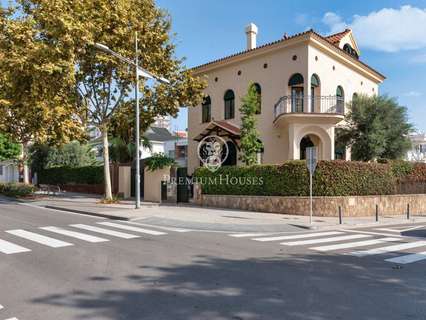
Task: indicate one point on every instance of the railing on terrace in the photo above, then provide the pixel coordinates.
(309, 104)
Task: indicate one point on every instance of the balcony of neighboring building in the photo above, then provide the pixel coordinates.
(303, 107)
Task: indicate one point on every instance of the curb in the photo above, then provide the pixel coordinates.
(96, 214)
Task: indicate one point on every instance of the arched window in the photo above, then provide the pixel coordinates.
(295, 84)
(348, 49)
(259, 97)
(340, 100)
(315, 84)
(229, 100)
(206, 110)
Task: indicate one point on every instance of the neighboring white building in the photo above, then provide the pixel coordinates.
(8, 172)
(178, 148)
(158, 137)
(163, 122)
(418, 150)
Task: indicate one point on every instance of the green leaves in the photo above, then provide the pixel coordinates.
(250, 142)
(8, 149)
(377, 128)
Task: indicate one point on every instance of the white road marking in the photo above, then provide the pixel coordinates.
(387, 229)
(105, 231)
(409, 258)
(299, 236)
(11, 248)
(159, 227)
(243, 235)
(12, 319)
(400, 230)
(47, 241)
(323, 240)
(393, 248)
(353, 244)
(74, 234)
(131, 228)
(1, 307)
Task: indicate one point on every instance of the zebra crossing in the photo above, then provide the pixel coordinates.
(349, 242)
(60, 237)
(1, 308)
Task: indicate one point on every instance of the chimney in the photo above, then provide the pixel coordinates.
(251, 32)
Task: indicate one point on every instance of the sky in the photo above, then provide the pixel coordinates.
(390, 34)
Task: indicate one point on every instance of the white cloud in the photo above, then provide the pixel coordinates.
(388, 29)
(421, 58)
(412, 94)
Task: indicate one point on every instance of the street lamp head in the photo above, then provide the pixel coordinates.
(102, 47)
(163, 80)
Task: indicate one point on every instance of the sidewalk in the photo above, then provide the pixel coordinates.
(212, 219)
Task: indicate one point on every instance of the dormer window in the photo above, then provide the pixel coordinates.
(349, 50)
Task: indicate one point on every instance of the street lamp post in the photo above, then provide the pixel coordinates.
(140, 72)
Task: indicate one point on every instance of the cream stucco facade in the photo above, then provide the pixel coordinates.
(308, 109)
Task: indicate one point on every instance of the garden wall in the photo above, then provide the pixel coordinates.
(352, 206)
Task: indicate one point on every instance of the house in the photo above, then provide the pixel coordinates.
(178, 148)
(418, 149)
(158, 137)
(9, 171)
(304, 82)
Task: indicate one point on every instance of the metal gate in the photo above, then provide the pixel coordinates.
(182, 185)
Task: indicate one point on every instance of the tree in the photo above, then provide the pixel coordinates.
(377, 127)
(72, 155)
(37, 102)
(250, 142)
(8, 149)
(103, 82)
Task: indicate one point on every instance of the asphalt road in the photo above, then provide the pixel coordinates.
(193, 275)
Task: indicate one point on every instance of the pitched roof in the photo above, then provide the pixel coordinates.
(335, 38)
(225, 126)
(158, 134)
(331, 40)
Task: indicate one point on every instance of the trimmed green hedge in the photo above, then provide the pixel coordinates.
(332, 178)
(16, 189)
(66, 175)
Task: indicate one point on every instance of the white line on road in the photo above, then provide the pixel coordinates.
(353, 244)
(159, 227)
(11, 248)
(388, 230)
(393, 248)
(1, 307)
(299, 236)
(47, 241)
(12, 319)
(131, 228)
(243, 235)
(400, 230)
(74, 234)
(106, 231)
(409, 258)
(323, 240)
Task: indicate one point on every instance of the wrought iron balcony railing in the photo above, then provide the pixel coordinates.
(310, 104)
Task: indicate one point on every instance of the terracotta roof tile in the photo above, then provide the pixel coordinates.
(331, 39)
(335, 38)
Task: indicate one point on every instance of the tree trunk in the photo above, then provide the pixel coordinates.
(107, 174)
(25, 163)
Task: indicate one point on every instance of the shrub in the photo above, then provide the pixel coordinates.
(67, 175)
(159, 161)
(16, 189)
(332, 178)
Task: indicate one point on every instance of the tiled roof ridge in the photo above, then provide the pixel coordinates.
(286, 38)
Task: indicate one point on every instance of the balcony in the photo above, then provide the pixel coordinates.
(293, 108)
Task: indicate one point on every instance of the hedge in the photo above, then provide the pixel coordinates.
(332, 178)
(66, 175)
(16, 189)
